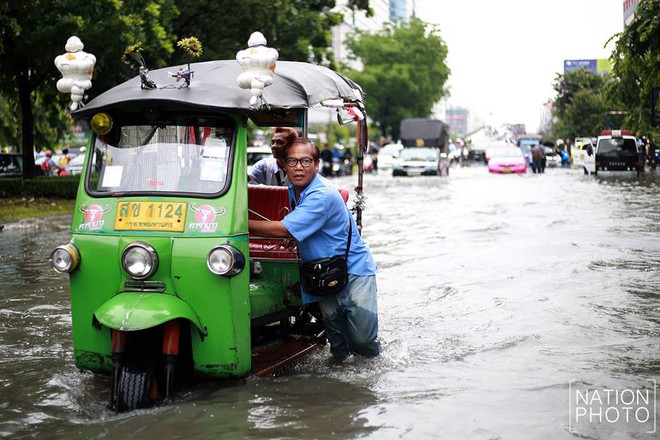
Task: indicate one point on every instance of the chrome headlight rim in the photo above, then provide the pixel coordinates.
(68, 253)
(235, 260)
(150, 252)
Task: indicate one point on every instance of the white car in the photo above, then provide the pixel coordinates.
(388, 155)
(417, 161)
(552, 158)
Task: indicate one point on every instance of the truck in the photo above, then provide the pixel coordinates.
(421, 132)
(429, 133)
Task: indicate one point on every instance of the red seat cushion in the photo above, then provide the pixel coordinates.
(271, 202)
(268, 203)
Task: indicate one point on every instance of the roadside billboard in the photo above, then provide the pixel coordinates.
(599, 66)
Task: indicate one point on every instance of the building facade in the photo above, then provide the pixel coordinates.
(457, 119)
(383, 11)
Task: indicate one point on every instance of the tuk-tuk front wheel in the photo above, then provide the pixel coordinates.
(137, 386)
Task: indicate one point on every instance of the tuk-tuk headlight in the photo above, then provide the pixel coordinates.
(65, 258)
(139, 260)
(225, 260)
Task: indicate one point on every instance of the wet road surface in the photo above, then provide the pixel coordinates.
(507, 304)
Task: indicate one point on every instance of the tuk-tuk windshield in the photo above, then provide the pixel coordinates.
(187, 156)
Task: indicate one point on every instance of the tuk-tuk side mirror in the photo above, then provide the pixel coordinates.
(343, 117)
(348, 115)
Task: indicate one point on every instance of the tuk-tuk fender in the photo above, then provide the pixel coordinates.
(138, 311)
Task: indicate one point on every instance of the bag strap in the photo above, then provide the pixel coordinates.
(350, 233)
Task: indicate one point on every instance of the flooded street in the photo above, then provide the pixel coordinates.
(513, 307)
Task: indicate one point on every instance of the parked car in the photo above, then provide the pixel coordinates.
(507, 160)
(417, 161)
(11, 165)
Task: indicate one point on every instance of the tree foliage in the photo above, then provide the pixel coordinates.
(636, 66)
(404, 71)
(587, 103)
(581, 105)
(34, 32)
(571, 84)
(300, 31)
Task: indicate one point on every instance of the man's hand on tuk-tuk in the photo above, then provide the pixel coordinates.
(272, 229)
(289, 243)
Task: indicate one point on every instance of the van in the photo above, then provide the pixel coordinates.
(616, 150)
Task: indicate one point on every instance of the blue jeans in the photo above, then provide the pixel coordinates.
(351, 318)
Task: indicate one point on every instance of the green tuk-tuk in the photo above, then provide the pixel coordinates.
(165, 280)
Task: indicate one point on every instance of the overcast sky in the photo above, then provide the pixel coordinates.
(504, 54)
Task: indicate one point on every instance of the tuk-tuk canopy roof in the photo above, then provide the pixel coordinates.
(214, 86)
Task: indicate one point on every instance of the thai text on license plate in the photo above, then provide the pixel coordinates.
(150, 216)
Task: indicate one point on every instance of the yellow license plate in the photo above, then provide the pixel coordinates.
(150, 216)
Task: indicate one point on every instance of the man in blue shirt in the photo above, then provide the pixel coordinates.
(270, 170)
(319, 222)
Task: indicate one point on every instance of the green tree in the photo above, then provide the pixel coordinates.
(580, 105)
(300, 31)
(636, 66)
(404, 74)
(586, 116)
(34, 32)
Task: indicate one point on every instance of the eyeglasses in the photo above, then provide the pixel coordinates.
(291, 162)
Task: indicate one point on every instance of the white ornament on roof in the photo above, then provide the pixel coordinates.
(258, 60)
(77, 68)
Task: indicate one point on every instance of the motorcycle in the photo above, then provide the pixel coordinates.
(166, 282)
